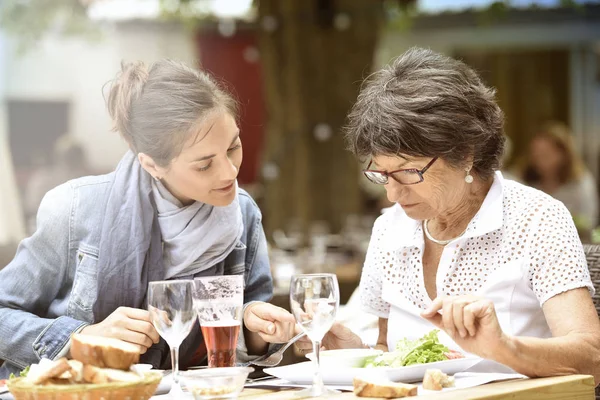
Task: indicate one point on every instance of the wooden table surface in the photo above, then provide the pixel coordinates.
(572, 387)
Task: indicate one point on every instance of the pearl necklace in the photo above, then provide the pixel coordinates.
(434, 240)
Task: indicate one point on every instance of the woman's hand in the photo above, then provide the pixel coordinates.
(338, 337)
(273, 324)
(128, 324)
(471, 322)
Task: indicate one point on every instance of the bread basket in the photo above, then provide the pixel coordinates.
(21, 389)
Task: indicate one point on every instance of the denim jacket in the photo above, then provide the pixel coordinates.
(49, 289)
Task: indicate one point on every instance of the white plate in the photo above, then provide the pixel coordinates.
(345, 358)
(302, 373)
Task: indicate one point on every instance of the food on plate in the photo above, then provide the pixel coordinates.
(425, 350)
(345, 358)
(364, 387)
(104, 352)
(435, 379)
(453, 355)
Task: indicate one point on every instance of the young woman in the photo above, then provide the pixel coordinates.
(170, 210)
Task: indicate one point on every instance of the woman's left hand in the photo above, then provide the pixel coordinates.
(471, 322)
(273, 324)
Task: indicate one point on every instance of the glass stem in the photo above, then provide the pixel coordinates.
(175, 364)
(317, 379)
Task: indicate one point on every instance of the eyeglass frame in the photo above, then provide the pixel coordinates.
(387, 175)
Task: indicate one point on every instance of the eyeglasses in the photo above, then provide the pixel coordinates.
(408, 176)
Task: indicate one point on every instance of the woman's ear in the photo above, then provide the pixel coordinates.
(150, 166)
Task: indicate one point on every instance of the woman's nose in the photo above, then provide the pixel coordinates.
(394, 190)
(230, 170)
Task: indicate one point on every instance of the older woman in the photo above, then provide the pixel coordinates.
(496, 265)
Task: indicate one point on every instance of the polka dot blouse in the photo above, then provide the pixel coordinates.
(516, 227)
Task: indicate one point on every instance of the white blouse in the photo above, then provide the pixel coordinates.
(519, 250)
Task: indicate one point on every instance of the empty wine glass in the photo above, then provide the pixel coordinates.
(171, 306)
(315, 299)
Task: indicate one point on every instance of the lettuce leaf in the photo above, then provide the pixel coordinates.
(23, 373)
(425, 350)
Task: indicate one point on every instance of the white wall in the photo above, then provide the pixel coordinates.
(12, 226)
(75, 70)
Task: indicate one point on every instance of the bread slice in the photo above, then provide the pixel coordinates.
(93, 374)
(104, 352)
(383, 389)
(75, 372)
(46, 370)
(435, 379)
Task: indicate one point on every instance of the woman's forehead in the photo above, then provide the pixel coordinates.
(212, 134)
(388, 159)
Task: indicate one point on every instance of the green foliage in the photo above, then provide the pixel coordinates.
(596, 235)
(31, 20)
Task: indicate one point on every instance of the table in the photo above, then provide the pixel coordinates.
(572, 387)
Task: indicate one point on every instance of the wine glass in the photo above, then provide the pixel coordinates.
(171, 307)
(315, 299)
(219, 301)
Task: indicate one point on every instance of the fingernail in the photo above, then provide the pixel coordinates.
(271, 329)
(463, 334)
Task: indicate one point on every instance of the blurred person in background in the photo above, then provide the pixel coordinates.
(554, 166)
(170, 210)
(69, 161)
(507, 173)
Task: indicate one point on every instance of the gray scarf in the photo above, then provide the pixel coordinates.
(130, 251)
(197, 236)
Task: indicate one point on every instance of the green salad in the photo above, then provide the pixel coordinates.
(425, 350)
(23, 373)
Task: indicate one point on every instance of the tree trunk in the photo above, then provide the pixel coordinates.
(315, 54)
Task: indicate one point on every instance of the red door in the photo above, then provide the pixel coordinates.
(234, 60)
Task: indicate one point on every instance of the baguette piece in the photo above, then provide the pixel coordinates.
(104, 352)
(383, 389)
(435, 379)
(75, 372)
(47, 370)
(93, 374)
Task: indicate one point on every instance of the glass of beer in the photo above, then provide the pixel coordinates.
(218, 301)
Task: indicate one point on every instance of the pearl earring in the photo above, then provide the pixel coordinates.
(469, 177)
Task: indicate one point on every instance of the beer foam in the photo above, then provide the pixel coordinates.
(223, 323)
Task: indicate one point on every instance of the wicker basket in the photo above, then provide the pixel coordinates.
(21, 389)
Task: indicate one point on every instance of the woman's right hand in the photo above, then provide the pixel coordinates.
(128, 324)
(338, 337)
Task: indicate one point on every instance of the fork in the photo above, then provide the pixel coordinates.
(274, 359)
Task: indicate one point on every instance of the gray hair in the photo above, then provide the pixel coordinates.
(425, 104)
(156, 110)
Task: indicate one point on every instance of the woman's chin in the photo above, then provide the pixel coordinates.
(415, 213)
(222, 199)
